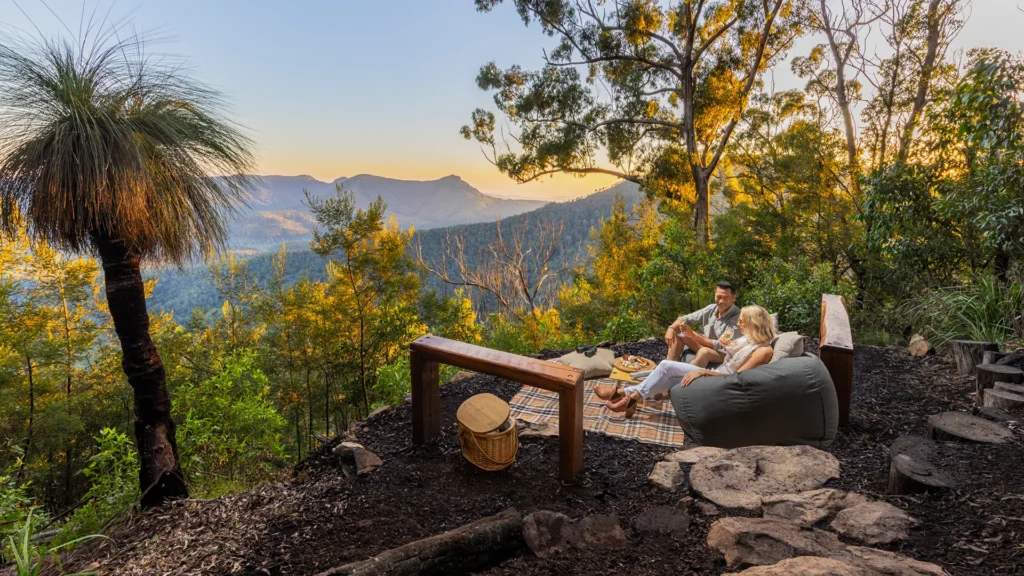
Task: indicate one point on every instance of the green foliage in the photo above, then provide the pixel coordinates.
(625, 327)
(981, 309)
(31, 559)
(230, 430)
(793, 291)
(113, 473)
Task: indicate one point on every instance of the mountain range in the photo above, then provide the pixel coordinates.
(180, 291)
(277, 211)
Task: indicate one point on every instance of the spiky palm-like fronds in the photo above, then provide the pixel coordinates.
(100, 141)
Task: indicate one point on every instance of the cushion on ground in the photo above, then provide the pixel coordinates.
(792, 401)
(787, 345)
(597, 366)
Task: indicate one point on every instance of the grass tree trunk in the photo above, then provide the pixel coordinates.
(160, 476)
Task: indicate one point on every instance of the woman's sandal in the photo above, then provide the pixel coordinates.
(603, 392)
(630, 408)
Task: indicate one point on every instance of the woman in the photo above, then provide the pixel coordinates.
(750, 350)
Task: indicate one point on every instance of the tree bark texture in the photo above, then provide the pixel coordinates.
(924, 81)
(472, 547)
(160, 475)
(989, 374)
(969, 353)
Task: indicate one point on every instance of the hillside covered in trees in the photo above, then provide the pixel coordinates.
(893, 177)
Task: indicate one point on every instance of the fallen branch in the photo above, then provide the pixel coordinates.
(468, 548)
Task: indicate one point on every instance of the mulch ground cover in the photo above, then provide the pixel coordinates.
(320, 518)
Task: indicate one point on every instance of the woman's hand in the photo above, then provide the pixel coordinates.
(689, 378)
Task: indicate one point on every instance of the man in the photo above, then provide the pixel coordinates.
(716, 319)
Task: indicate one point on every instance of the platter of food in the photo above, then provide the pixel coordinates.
(630, 364)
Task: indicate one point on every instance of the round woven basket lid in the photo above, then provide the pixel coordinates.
(483, 413)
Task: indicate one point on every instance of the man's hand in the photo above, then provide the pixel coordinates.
(670, 335)
(689, 378)
(689, 333)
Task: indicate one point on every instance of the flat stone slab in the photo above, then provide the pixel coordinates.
(742, 477)
(694, 455)
(806, 566)
(809, 508)
(767, 541)
(874, 523)
(964, 427)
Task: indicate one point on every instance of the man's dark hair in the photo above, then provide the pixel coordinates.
(726, 286)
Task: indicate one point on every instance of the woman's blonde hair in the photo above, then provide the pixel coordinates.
(758, 323)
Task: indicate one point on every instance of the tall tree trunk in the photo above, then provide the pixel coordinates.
(842, 97)
(702, 207)
(31, 417)
(924, 81)
(160, 476)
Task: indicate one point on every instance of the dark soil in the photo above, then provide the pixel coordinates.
(322, 519)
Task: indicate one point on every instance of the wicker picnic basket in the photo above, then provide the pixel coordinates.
(486, 433)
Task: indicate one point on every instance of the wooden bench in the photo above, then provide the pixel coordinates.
(835, 349)
(428, 352)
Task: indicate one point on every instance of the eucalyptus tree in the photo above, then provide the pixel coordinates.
(656, 87)
(105, 149)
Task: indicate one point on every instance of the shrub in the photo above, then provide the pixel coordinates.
(981, 309)
(793, 291)
(114, 477)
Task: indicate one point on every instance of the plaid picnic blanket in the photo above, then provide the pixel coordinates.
(655, 422)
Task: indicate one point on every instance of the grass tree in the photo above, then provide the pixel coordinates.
(105, 149)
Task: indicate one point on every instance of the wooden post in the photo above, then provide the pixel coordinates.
(570, 432)
(835, 350)
(989, 374)
(969, 353)
(426, 398)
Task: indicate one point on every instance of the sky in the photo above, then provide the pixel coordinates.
(335, 88)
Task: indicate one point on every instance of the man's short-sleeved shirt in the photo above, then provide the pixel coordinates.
(714, 325)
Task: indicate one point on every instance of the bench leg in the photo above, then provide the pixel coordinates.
(570, 433)
(426, 398)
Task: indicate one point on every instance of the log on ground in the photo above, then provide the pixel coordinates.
(969, 353)
(960, 426)
(1004, 400)
(989, 374)
(911, 470)
(475, 546)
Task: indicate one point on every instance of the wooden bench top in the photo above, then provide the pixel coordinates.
(836, 334)
(539, 373)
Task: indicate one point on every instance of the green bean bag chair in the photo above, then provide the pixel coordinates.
(791, 401)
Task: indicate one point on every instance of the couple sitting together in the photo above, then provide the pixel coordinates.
(718, 344)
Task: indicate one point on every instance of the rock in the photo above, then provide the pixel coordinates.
(762, 541)
(694, 455)
(809, 508)
(407, 399)
(707, 508)
(919, 346)
(377, 413)
(664, 520)
(882, 563)
(363, 460)
(461, 375)
(873, 523)
(605, 344)
(602, 531)
(548, 533)
(766, 541)
(528, 429)
(742, 477)
(806, 566)
(667, 475)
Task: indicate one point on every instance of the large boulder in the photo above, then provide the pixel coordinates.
(694, 455)
(809, 508)
(766, 541)
(743, 477)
